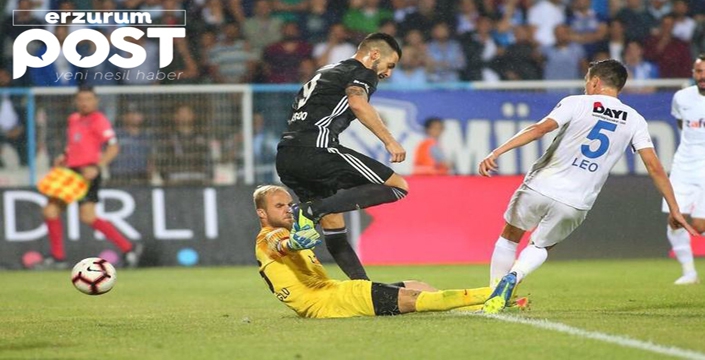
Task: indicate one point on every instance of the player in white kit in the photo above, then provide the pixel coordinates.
(688, 170)
(594, 130)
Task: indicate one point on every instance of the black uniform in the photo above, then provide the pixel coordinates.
(310, 159)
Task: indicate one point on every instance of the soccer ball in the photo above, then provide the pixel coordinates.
(93, 276)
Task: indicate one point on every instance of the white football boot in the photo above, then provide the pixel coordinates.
(688, 279)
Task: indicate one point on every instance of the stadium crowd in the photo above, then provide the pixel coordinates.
(285, 41)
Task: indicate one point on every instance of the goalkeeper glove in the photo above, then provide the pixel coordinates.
(303, 238)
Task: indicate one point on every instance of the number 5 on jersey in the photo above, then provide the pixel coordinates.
(599, 133)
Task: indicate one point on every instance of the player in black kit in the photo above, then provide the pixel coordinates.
(328, 178)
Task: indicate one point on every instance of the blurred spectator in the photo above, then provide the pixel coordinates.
(171, 16)
(68, 6)
(697, 45)
(307, 70)
(262, 29)
(264, 145)
(466, 19)
(213, 13)
(316, 22)
(207, 41)
(150, 64)
(637, 67)
(544, 16)
(510, 12)
(659, 8)
(684, 25)
(104, 73)
(282, 59)
(289, 10)
(366, 18)
(230, 60)
(336, 49)
(566, 59)
(445, 56)
(236, 10)
(59, 73)
(521, 60)
(601, 55)
(12, 121)
(616, 41)
(183, 64)
(589, 29)
(134, 164)
(508, 17)
(411, 71)
(604, 8)
(390, 27)
(480, 50)
(671, 55)
(428, 157)
(697, 9)
(636, 20)
(422, 19)
(414, 38)
(402, 8)
(183, 157)
(23, 21)
(107, 5)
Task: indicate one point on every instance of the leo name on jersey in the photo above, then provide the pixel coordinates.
(608, 123)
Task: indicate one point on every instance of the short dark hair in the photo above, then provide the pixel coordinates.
(430, 121)
(701, 57)
(85, 88)
(610, 71)
(378, 36)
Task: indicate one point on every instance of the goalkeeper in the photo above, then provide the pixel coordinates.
(294, 275)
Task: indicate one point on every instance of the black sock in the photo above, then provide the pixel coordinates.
(359, 197)
(343, 254)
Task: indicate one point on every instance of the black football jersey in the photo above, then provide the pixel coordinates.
(320, 111)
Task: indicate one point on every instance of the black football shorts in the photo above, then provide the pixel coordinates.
(317, 173)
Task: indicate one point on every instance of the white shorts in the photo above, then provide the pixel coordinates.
(690, 196)
(553, 220)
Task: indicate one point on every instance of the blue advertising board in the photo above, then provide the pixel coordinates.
(477, 121)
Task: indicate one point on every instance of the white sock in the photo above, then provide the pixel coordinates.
(505, 252)
(529, 260)
(680, 243)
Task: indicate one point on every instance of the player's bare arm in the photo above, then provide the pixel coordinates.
(92, 171)
(368, 116)
(658, 175)
(525, 136)
(110, 153)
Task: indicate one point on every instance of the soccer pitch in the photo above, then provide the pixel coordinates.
(580, 310)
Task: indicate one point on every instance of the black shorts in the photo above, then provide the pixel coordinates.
(317, 173)
(92, 194)
(385, 299)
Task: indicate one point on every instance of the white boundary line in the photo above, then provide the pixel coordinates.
(595, 335)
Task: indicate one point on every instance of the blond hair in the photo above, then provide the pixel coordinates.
(260, 194)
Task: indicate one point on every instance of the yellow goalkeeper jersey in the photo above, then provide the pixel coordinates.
(294, 277)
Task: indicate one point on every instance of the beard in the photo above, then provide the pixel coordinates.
(375, 67)
(701, 87)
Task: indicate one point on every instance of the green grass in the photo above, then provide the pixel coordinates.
(228, 313)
